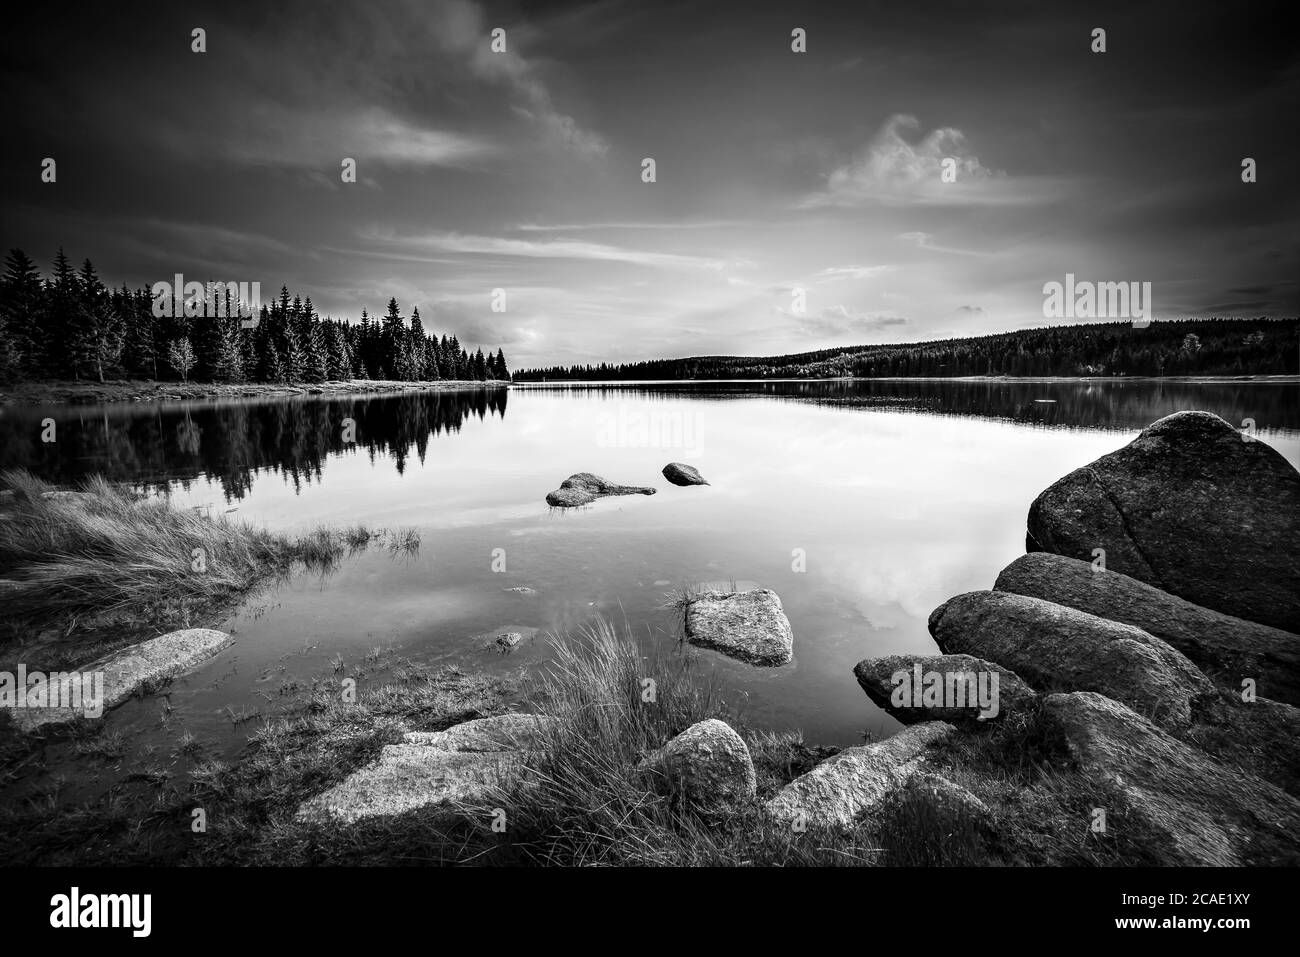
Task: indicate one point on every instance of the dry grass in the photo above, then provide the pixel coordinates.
(68, 558)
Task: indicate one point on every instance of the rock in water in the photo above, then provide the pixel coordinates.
(963, 691)
(1054, 647)
(680, 474)
(708, 765)
(1220, 644)
(129, 670)
(583, 488)
(507, 642)
(843, 788)
(1191, 506)
(1207, 814)
(442, 769)
(748, 625)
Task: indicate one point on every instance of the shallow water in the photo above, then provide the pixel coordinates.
(862, 504)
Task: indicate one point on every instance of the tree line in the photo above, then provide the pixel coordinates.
(1185, 347)
(72, 326)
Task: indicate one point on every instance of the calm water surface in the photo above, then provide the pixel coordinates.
(891, 496)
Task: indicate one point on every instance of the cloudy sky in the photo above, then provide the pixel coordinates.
(776, 170)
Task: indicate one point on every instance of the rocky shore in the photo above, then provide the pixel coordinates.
(1155, 701)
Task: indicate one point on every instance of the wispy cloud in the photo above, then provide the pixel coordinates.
(474, 245)
(839, 321)
(462, 30)
(597, 226)
(853, 272)
(926, 241)
(283, 137)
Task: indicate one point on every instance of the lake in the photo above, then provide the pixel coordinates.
(863, 504)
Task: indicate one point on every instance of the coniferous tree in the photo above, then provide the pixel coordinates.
(21, 348)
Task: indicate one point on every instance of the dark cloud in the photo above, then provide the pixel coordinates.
(776, 171)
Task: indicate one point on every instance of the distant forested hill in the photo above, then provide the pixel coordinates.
(1189, 347)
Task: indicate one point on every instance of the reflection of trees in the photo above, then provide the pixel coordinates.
(1118, 405)
(231, 442)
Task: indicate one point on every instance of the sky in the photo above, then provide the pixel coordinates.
(775, 171)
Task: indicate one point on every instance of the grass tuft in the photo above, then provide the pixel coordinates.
(69, 558)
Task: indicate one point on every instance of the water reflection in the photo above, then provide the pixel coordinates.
(1113, 405)
(231, 441)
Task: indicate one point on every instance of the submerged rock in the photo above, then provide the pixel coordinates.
(842, 789)
(680, 474)
(1191, 506)
(1232, 648)
(583, 488)
(748, 625)
(708, 765)
(963, 692)
(462, 765)
(138, 668)
(1058, 648)
(1204, 813)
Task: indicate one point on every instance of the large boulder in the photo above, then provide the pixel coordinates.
(1231, 648)
(748, 625)
(708, 765)
(583, 488)
(841, 790)
(1056, 648)
(680, 474)
(1191, 506)
(111, 680)
(443, 770)
(1257, 735)
(1204, 813)
(959, 689)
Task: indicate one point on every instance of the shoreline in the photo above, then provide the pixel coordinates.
(144, 390)
(1193, 379)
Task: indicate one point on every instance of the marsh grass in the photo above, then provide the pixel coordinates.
(72, 559)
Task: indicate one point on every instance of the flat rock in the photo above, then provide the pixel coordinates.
(583, 488)
(708, 765)
(1056, 648)
(444, 769)
(1191, 507)
(1223, 645)
(841, 790)
(748, 625)
(130, 670)
(680, 474)
(503, 732)
(967, 689)
(1207, 814)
